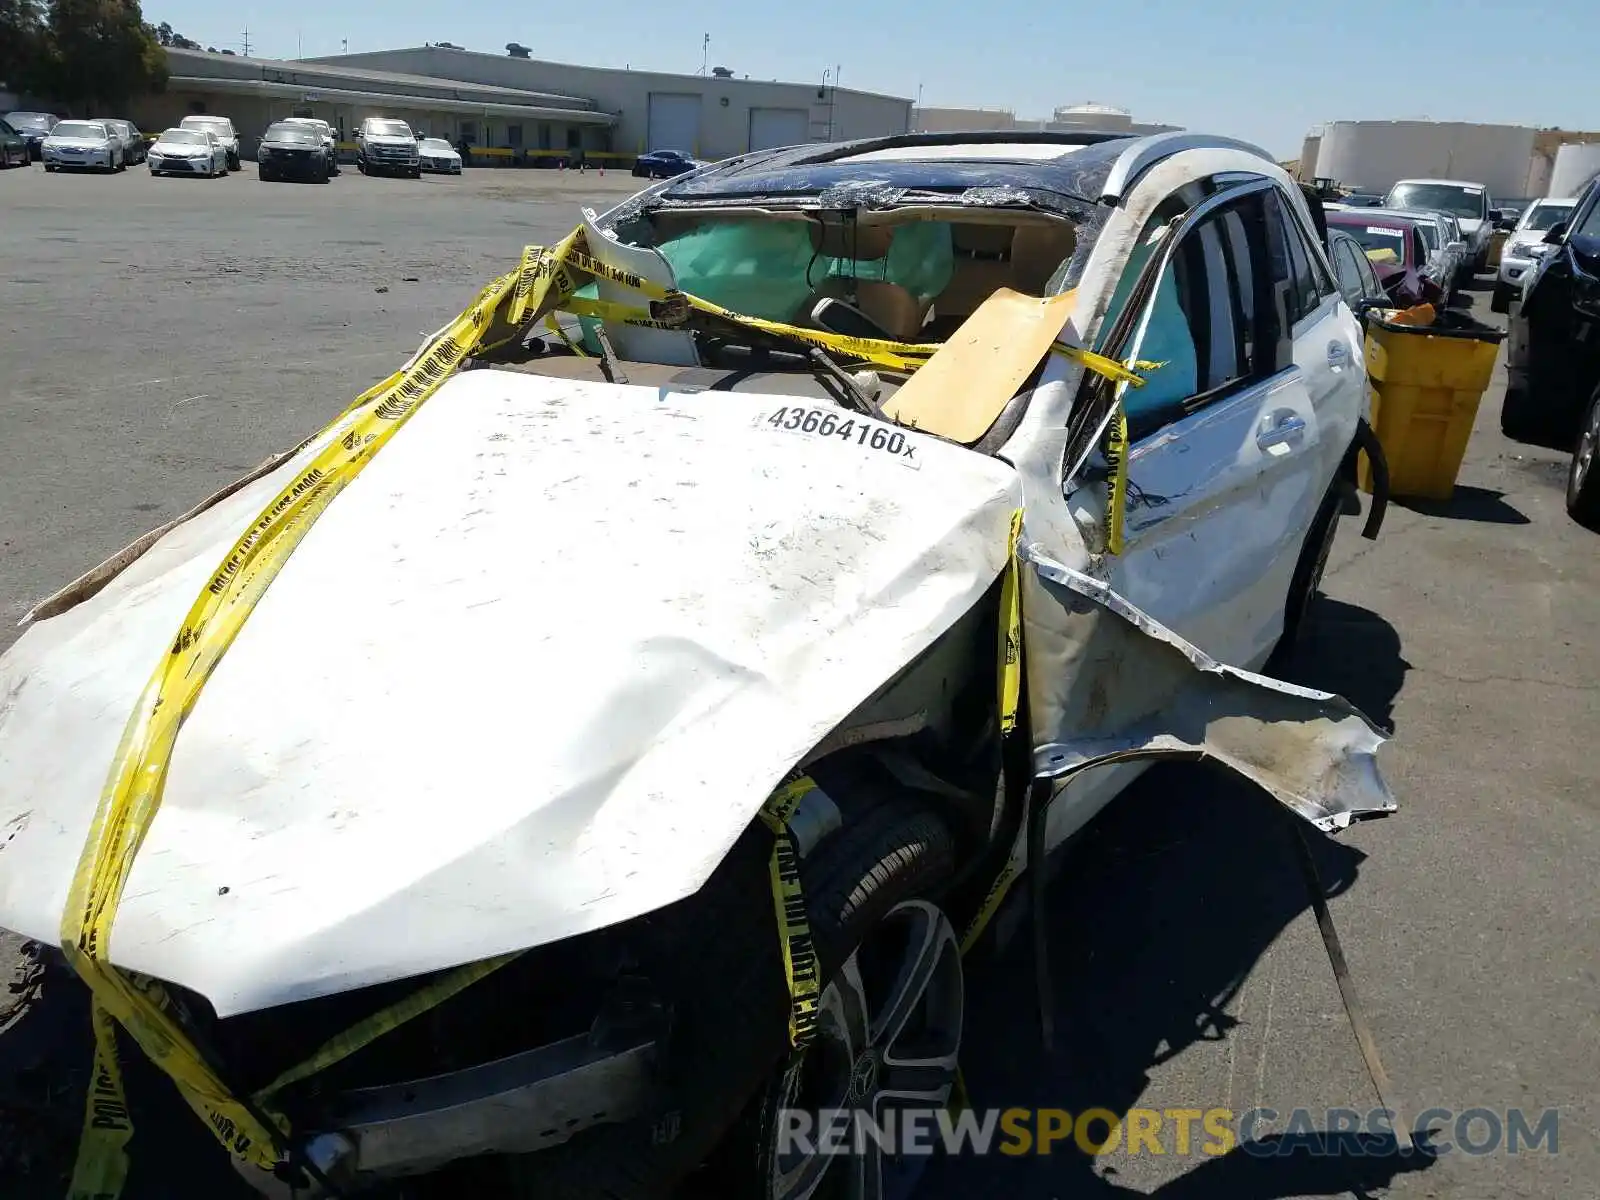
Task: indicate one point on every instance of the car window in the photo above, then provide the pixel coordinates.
(6, 129)
(1370, 285)
(1201, 323)
(1589, 224)
(1310, 283)
(1344, 268)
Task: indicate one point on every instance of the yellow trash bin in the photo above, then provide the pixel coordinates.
(1426, 382)
(1497, 244)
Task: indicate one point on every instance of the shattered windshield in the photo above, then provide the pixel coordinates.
(771, 268)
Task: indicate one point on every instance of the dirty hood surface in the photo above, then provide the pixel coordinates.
(529, 675)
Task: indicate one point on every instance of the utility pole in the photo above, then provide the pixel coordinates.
(705, 53)
(247, 41)
(919, 110)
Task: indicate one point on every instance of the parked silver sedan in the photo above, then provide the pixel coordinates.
(133, 143)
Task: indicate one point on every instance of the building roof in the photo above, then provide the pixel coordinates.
(313, 73)
(446, 53)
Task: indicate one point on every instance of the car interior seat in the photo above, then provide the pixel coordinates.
(891, 307)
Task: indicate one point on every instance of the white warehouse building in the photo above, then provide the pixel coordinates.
(709, 116)
(1373, 155)
(519, 109)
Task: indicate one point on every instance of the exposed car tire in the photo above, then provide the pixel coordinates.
(733, 1044)
(49, 166)
(882, 936)
(261, 174)
(1308, 570)
(1519, 417)
(1500, 302)
(1583, 476)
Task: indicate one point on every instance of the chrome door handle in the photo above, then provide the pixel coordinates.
(1286, 429)
(1338, 355)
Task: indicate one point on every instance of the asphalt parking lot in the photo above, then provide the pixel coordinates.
(160, 337)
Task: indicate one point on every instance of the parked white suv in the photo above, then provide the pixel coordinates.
(1469, 203)
(220, 128)
(1525, 247)
(847, 641)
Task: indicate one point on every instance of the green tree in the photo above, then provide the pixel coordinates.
(21, 42)
(168, 36)
(99, 51)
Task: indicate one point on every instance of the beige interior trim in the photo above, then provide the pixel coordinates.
(960, 392)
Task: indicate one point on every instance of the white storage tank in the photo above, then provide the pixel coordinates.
(1373, 155)
(1576, 164)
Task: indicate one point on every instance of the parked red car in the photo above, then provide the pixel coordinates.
(1397, 253)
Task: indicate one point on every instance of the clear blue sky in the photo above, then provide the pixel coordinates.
(1265, 70)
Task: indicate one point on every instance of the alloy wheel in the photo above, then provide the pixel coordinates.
(1583, 457)
(888, 1036)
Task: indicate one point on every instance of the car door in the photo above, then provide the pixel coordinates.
(1225, 457)
(1226, 469)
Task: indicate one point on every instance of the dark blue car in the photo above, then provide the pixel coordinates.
(33, 128)
(663, 164)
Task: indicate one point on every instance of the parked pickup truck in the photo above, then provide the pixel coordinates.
(387, 145)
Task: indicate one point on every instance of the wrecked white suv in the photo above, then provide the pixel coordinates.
(553, 768)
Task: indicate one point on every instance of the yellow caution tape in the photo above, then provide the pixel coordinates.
(137, 779)
(365, 1032)
(904, 356)
(102, 1165)
(555, 327)
(800, 967)
(1117, 493)
(1011, 633)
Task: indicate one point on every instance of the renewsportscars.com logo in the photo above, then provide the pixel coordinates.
(1182, 1132)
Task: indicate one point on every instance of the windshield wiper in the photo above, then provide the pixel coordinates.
(862, 402)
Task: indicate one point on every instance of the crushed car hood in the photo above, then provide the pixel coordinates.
(530, 675)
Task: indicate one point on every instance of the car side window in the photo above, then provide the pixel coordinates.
(1201, 322)
(1370, 287)
(1344, 266)
(1590, 225)
(1310, 283)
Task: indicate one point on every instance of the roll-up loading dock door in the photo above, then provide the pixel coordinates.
(770, 127)
(674, 122)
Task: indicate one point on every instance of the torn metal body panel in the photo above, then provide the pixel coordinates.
(1110, 684)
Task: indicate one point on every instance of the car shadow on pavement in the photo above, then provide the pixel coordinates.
(1157, 915)
(1468, 504)
(1352, 652)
